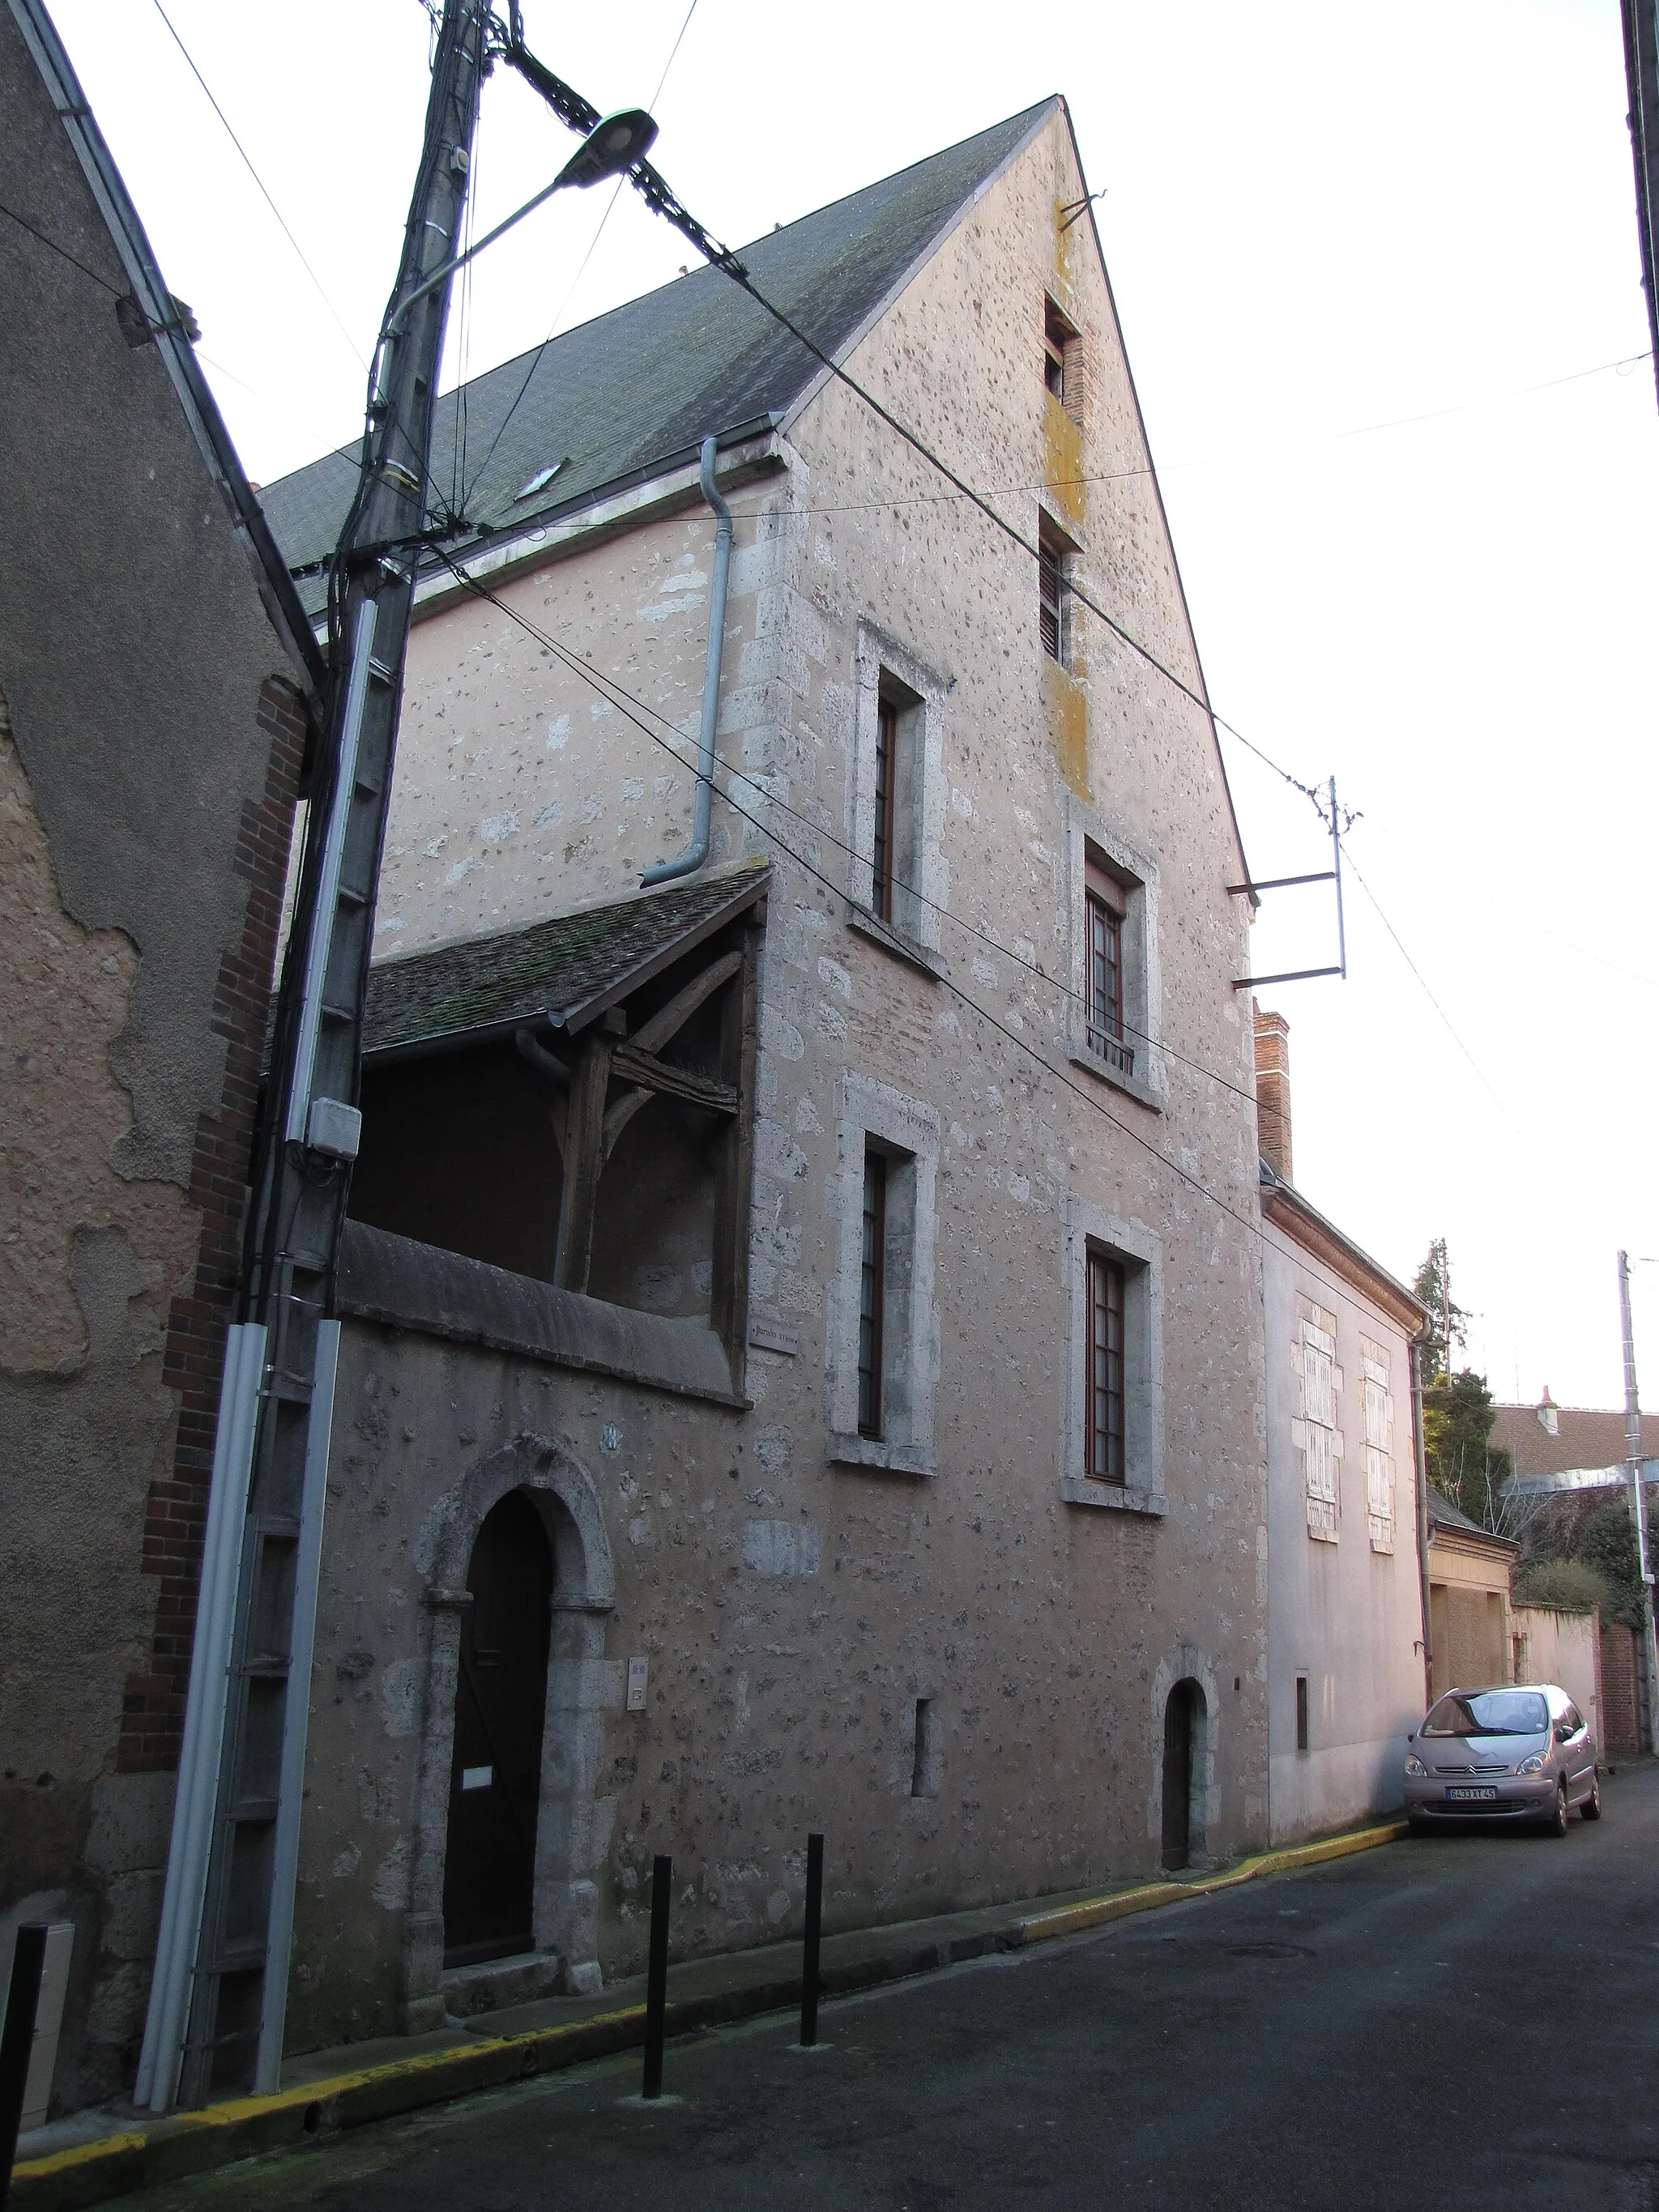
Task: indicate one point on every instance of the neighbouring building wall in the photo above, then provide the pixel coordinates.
(949, 1649)
(151, 741)
(1621, 1699)
(1564, 1647)
(1469, 1614)
(1344, 1603)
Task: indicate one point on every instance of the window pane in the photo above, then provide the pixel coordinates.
(1105, 1369)
(871, 1284)
(886, 785)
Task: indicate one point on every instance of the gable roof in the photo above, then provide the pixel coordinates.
(616, 398)
(1585, 1437)
(564, 972)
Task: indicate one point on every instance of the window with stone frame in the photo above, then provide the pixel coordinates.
(895, 880)
(1112, 1442)
(1106, 910)
(1317, 1432)
(1059, 357)
(884, 1325)
(1105, 1442)
(1055, 555)
(1378, 1411)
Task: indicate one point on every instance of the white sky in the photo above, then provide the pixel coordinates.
(1317, 220)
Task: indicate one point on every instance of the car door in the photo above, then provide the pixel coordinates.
(1576, 1752)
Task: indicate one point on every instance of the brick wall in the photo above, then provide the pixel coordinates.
(1620, 1711)
(1273, 1090)
(175, 1519)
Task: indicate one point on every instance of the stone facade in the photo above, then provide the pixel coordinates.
(151, 732)
(931, 1643)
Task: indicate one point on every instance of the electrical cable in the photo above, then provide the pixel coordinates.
(62, 252)
(570, 289)
(633, 705)
(1022, 1044)
(1422, 979)
(248, 165)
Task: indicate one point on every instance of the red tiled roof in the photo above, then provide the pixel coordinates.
(1588, 1437)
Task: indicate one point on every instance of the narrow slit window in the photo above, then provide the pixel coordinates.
(1105, 1368)
(919, 1765)
(872, 1294)
(1302, 1712)
(1058, 339)
(887, 739)
(1105, 975)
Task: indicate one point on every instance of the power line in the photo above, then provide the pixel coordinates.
(62, 251)
(1422, 979)
(605, 686)
(634, 706)
(570, 289)
(248, 165)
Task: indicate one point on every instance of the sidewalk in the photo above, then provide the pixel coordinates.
(98, 2156)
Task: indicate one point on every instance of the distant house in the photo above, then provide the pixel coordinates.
(1345, 1606)
(1551, 1439)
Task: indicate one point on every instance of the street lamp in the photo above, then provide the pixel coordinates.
(613, 145)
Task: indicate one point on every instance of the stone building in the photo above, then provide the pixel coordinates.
(802, 1364)
(1345, 1640)
(154, 663)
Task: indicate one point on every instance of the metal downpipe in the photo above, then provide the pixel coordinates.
(697, 851)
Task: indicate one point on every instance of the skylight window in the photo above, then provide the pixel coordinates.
(539, 482)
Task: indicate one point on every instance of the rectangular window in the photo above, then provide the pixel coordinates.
(1322, 1443)
(1059, 355)
(1378, 1410)
(1302, 1712)
(1105, 1369)
(873, 1284)
(887, 778)
(1105, 906)
(1051, 612)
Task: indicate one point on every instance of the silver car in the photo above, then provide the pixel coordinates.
(1522, 1752)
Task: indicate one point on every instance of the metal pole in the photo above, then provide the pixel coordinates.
(1415, 1350)
(656, 1976)
(809, 1960)
(28, 1961)
(1336, 870)
(1638, 1506)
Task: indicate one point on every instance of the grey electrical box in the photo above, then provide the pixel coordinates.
(48, 2021)
(334, 1128)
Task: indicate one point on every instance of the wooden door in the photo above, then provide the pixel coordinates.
(500, 1702)
(1178, 1775)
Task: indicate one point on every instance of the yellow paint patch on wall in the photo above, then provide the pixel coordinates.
(1068, 726)
(1062, 463)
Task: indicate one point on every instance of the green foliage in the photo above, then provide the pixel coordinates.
(1569, 1585)
(1457, 1418)
(1605, 1544)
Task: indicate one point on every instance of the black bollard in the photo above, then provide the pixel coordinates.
(656, 1976)
(17, 2040)
(809, 1958)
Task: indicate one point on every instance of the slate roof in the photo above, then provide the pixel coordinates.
(1443, 1514)
(566, 971)
(616, 398)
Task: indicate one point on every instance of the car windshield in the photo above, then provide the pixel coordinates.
(1488, 1712)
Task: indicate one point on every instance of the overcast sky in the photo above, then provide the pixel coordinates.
(1374, 268)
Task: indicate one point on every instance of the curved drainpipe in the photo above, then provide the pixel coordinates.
(697, 851)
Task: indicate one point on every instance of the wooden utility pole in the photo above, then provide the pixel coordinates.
(219, 1997)
(1638, 1501)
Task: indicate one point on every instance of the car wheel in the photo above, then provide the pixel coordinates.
(1591, 1808)
(1557, 1821)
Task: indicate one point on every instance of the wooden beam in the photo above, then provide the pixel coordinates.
(740, 1049)
(652, 1036)
(584, 1158)
(630, 1065)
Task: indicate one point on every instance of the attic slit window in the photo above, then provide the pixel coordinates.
(1054, 563)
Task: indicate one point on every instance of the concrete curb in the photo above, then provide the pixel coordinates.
(168, 2150)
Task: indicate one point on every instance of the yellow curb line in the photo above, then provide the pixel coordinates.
(1096, 1911)
(471, 2058)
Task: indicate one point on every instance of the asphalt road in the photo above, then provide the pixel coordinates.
(1467, 2020)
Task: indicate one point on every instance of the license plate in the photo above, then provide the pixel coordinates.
(1467, 1797)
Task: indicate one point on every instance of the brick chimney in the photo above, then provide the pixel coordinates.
(1273, 1090)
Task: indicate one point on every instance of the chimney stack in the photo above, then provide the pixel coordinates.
(1273, 1090)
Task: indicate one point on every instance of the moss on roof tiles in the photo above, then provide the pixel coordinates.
(647, 381)
(559, 970)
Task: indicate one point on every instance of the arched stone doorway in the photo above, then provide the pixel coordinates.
(495, 1765)
(544, 1478)
(1184, 1766)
